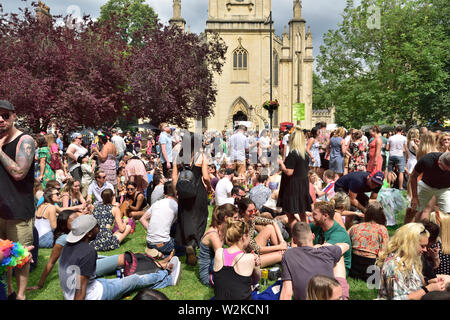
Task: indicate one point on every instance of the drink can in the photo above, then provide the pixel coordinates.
(264, 276)
(119, 273)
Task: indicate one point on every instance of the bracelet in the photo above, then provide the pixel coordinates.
(425, 289)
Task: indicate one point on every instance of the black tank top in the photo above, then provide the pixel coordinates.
(229, 285)
(16, 197)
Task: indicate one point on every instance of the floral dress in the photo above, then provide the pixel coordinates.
(49, 174)
(358, 158)
(105, 239)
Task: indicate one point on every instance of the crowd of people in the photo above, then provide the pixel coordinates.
(303, 200)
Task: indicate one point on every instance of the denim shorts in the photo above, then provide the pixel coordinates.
(395, 160)
(166, 249)
(46, 241)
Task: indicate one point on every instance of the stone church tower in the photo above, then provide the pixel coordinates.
(244, 84)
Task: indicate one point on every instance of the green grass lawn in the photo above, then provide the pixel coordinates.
(189, 286)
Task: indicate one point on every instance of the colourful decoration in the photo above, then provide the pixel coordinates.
(271, 105)
(15, 255)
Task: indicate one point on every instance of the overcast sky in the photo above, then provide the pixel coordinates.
(321, 15)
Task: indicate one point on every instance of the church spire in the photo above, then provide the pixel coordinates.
(177, 20)
(297, 9)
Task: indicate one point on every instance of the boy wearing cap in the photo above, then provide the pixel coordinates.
(356, 184)
(77, 267)
(16, 189)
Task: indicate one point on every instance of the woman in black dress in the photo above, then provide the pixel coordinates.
(191, 186)
(294, 195)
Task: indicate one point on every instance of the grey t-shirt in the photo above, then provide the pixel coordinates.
(300, 264)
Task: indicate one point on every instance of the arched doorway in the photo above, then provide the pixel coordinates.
(239, 116)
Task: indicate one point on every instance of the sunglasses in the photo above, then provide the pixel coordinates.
(55, 194)
(252, 211)
(130, 189)
(101, 177)
(5, 116)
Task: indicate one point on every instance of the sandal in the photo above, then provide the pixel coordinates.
(12, 296)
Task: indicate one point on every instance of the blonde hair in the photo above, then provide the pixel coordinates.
(404, 245)
(50, 138)
(413, 133)
(427, 144)
(235, 230)
(341, 201)
(442, 220)
(321, 288)
(297, 142)
(340, 132)
(439, 143)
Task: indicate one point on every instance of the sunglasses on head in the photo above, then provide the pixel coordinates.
(5, 116)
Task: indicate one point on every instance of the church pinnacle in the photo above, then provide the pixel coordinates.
(297, 9)
(177, 19)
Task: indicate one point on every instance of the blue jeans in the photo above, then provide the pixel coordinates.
(114, 289)
(106, 265)
(46, 241)
(166, 249)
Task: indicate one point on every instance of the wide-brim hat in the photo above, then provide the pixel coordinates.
(80, 227)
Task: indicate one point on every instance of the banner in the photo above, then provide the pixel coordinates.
(299, 111)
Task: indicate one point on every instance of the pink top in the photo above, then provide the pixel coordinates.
(54, 148)
(229, 257)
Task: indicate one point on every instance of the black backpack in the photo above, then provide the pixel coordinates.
(139, 263)
(186, 184)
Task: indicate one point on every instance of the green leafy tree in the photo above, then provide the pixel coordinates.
(134, 18)
(397, 73)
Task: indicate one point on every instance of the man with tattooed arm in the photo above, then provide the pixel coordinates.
(16, 190)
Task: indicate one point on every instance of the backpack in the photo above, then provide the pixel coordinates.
(139, 263)
(186, 187)
(55, 161)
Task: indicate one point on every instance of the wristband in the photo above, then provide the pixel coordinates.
(425, 289)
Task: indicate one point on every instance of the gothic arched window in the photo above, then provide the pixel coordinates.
(275, 68)
(240, 59)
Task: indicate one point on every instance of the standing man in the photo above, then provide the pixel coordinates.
(16, 190)
(397, 148)
(435, 167)
(119, 142)
(323, 137)
(165, 141)
(239, 146)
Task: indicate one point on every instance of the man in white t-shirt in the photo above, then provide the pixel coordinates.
(397, 148)
(77, 268)
(224, 187)
(159, 219)
(119, 142)
(98, 186)
(239, 146)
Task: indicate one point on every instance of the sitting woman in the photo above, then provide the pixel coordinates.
(45, 216)
(368, 238)
(262, 230)
(213, 240)
(72, 199)
(323, 287)
(401, 265)
(234, 270)
(106, 215)
(134, 201)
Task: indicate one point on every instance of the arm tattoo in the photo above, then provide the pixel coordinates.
(18, 168)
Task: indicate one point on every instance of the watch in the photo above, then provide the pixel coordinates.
(425, 289)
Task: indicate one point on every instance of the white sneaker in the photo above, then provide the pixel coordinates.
(176, 270)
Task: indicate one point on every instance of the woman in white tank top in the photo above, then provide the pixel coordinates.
(45, 218)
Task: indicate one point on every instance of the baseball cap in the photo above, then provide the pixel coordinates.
(80, 227)
(7, 105)
(378, 177)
